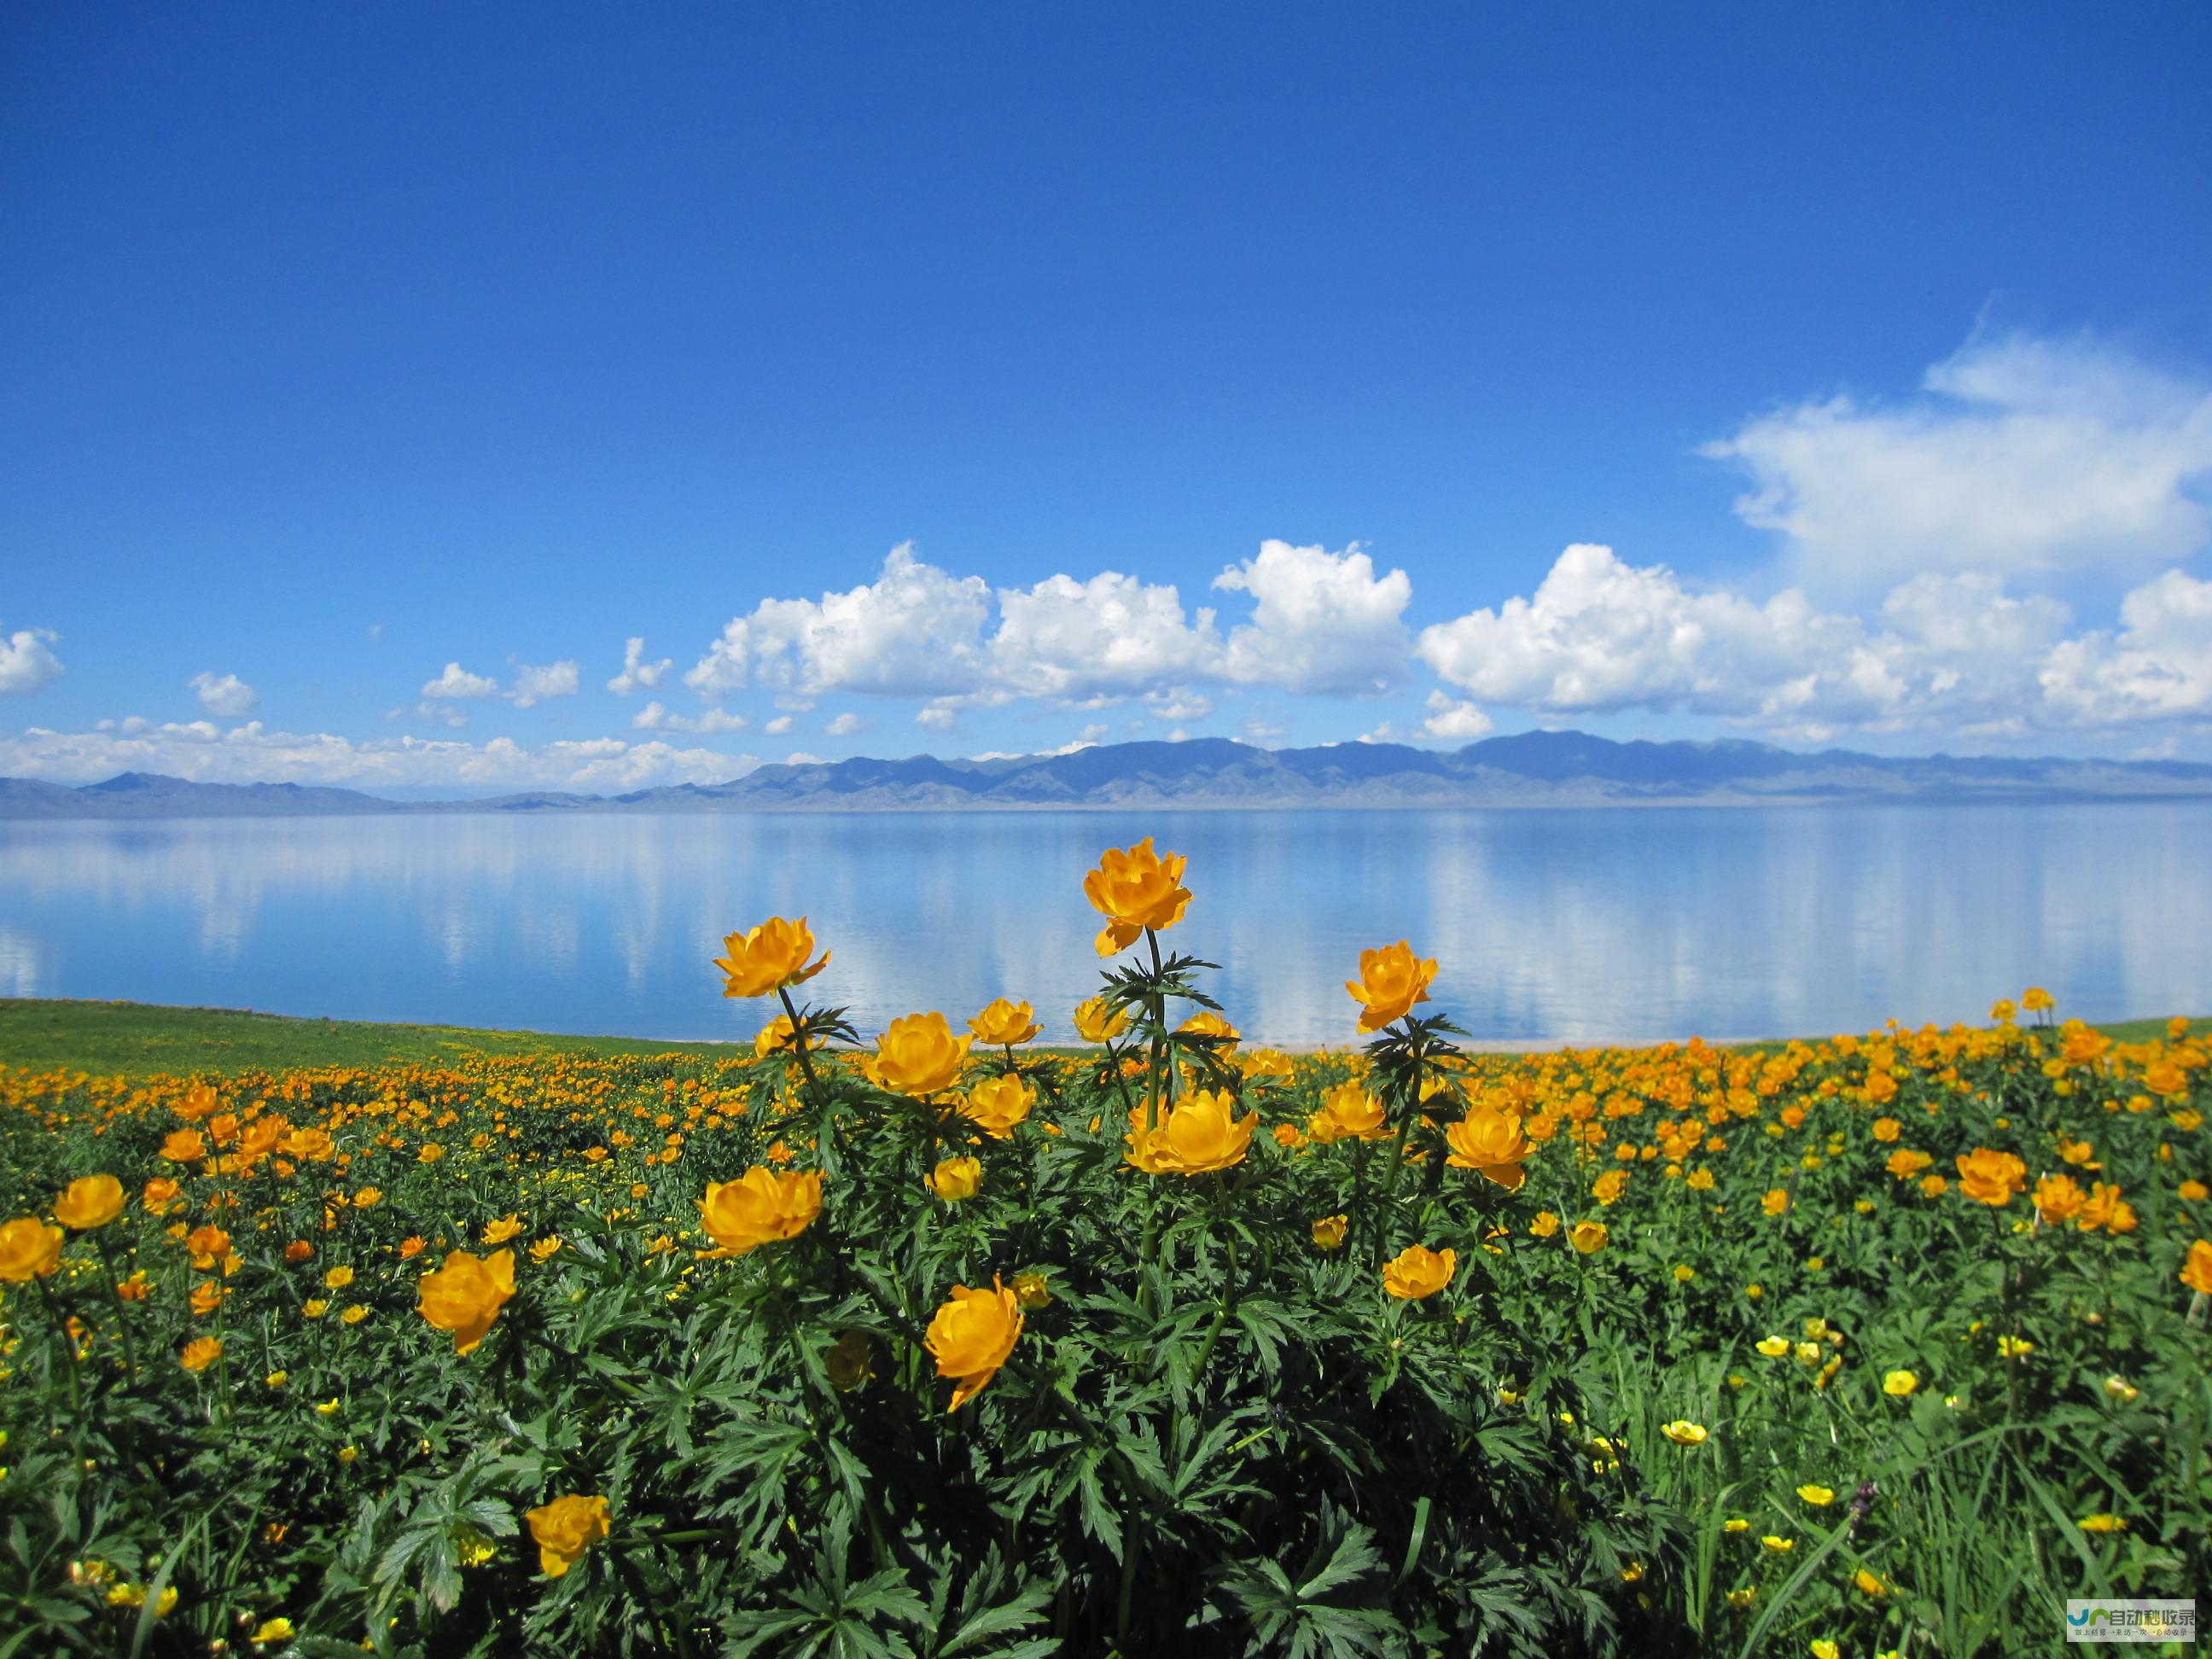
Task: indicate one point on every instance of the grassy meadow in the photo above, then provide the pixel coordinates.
(322, 1339)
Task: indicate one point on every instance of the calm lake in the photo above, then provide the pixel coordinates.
(1551, 926)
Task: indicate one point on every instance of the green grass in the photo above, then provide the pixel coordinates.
(136, 1039)
(132, 1039)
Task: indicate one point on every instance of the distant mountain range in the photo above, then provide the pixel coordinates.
(1533, 769)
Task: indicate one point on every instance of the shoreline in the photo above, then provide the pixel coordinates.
(126, 1038)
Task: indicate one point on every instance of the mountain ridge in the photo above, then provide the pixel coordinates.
(1530, 768)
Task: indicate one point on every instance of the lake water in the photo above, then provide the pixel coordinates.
(1549, 926)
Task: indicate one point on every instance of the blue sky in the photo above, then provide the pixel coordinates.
(911, 379)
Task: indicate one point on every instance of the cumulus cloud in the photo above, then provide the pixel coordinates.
(458, 682)
(1111, 634)
(28, 661)
(1454, 722)
(1321, 622)
(228, 695)
(655, 717)
(845, 725)
(915, 631)
(204, 752)
(2156, 666)
(1946, 651)
(779, 726)
(2021, 455)
(637, 674)
(937, 717)
(534, 685)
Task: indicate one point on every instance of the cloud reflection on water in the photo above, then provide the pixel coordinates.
(1551, 926)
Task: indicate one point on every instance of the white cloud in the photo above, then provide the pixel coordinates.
(845, 725)
(655, 717)
(1454, 722)
(937, 717)
(637, 672)
(2021, 455)
(458, 682)
(373, 633)
(1179, 704)
(1600, 635)
(26, 660)
(1088, 736)
(534, 685)
(2158, 665)
(778, 726)
(228, 696)
(800, 757)
(1948, 653)
(915, 631)
(204, 752)
(1113, 634)
(1321, 622)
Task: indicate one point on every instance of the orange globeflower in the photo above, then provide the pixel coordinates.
(1417, 1272)
(1200, 1134)
(564, 1528)
(1133, 890)
(2058, 1200)
(770, 956)
(2106, 1209)
(465, 1295)
(1210, 1023)
(91, 1201)
(1348, 1112)
(1004, 1024)
(1990, 1177)
(209, 1246)
(1095, 1023)
(29, 1249)
(201, 1352)
(997, 1105)
(762, 1206)
(1490, 1142)
(2197, 1271)
(1391, 981)
(972, 1335)
(919, 1055)
(184, 1147)
(1905, 1163)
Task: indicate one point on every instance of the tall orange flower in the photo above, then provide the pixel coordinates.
(770, 956)
(1004, 1024)
(1201, 1132)
(972, 1335)
(919, 1055)
(90, 1201)
(1417, 1272)
(564, 1528)
(29, 1249)
(1490, 1141)
(762, 1206)
(1990, 1177)
(1133, 890)
(1391, 981)
(2197, 1271)
(465, 1295)
(1096, 1023)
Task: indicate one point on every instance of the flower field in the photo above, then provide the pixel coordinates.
(931, 1342)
